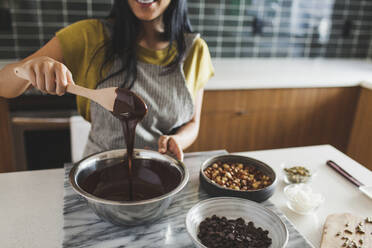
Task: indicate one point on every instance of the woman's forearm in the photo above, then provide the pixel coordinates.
(187, 134)
(11, 85)
(44, 60)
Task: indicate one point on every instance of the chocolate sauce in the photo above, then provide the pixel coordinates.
(133, 179)
(150, 178)
(129, 109)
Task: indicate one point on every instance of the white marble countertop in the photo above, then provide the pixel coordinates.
(82, 228)
(271, 73)
(31, 202)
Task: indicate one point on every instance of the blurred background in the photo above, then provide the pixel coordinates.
(232, 28)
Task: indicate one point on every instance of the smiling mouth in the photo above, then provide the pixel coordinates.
(146, 1)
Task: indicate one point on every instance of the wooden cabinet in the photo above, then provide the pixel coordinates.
(6, 147)
(360, 145)
(244, 120)
(30, 117)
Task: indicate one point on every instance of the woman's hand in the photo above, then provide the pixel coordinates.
(171, 145)
(46, 74)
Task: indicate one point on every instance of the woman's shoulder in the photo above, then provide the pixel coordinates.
(197, 46)
(87, 26)
(198, 66)
(200, 44)
(195, 43)
(81, 38)
(87, 23)
(80, 43)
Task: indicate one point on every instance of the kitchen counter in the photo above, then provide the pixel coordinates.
(31, 202)
(273, 73)
(31, 209)
(340, 195)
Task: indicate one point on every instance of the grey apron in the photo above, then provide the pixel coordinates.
(170, 105)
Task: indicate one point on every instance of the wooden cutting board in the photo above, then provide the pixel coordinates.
(334, 234)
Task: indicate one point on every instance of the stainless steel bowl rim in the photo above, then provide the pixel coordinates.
(230, 199)
(208, 161)
(94, 198)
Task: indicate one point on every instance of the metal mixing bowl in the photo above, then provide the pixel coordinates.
(125, 213)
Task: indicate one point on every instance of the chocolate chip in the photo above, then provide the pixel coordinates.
(216, 232)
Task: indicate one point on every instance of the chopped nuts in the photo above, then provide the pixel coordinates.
(368, 220)
(359, 229)
(349, 244)
(237, 176)
(348, 231)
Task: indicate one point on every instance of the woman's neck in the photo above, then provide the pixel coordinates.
(151, 35)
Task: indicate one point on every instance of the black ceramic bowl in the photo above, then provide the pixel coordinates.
(215, 189)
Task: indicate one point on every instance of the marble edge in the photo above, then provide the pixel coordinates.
(283, 216)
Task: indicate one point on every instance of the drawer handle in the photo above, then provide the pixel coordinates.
(241, 112)
(40, 123)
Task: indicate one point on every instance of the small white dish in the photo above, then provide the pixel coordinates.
(300, 179)
(301, 199)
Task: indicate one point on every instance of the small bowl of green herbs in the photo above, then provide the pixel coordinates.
(297, 172)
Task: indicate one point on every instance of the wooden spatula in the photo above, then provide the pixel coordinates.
(105, 97)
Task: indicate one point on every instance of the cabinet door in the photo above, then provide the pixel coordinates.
(361, 136)
(243, 120)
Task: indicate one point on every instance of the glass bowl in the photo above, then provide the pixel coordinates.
(233, 208)
(301, 199)
(295, 172)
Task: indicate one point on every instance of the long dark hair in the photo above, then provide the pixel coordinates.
(126, 28)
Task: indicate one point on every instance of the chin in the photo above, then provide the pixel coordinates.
(148, 18)
(148, 10)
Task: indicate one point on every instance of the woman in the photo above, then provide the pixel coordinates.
(144, 45)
